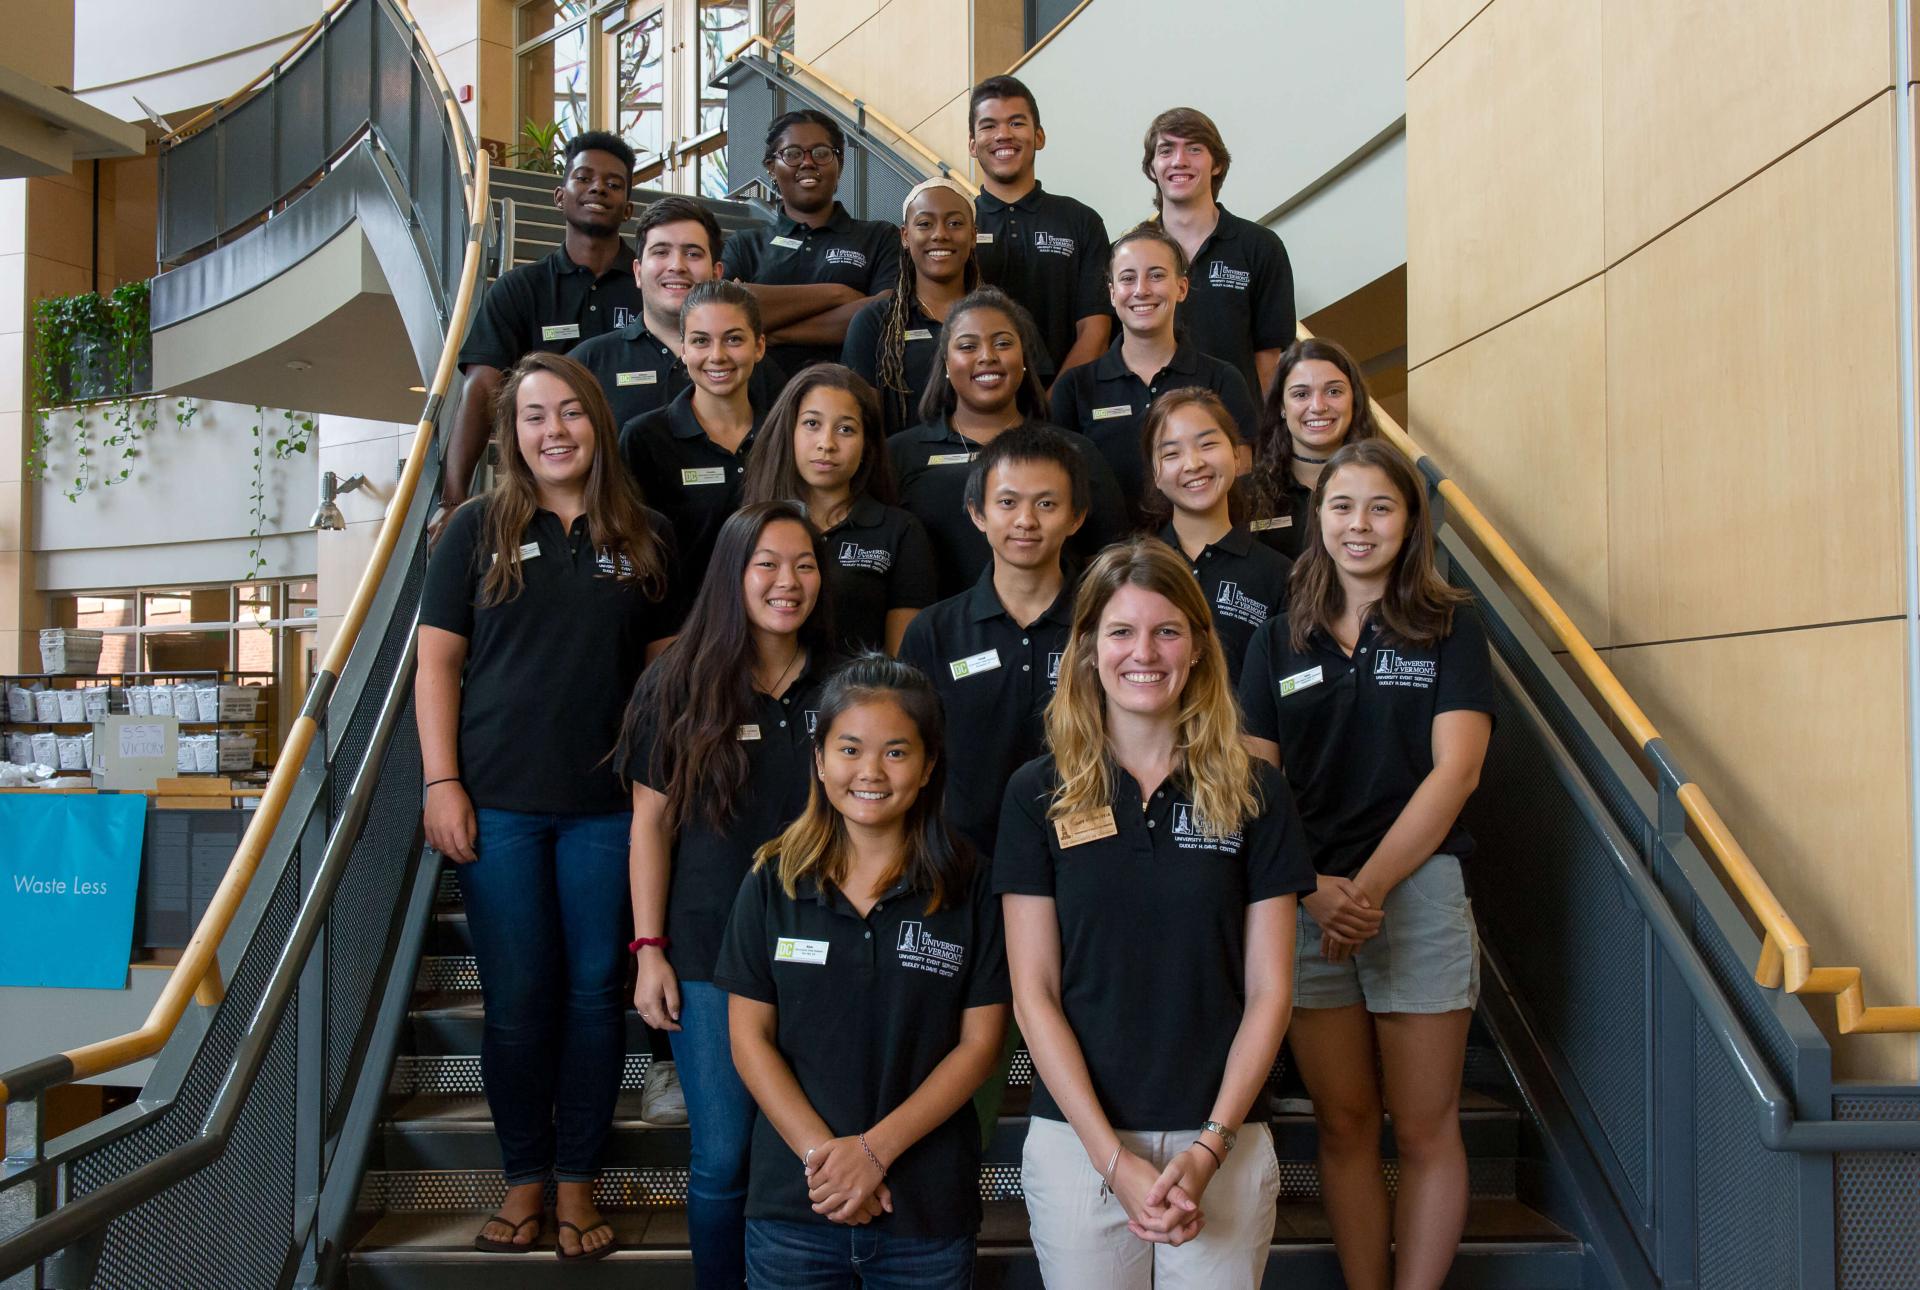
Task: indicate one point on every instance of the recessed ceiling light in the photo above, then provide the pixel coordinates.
(417, 389)
(299, 365)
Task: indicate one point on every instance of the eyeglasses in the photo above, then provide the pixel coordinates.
(821, 153)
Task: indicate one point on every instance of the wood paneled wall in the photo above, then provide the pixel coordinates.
(1652, 291)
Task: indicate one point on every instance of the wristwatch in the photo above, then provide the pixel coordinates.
(1227, 1136)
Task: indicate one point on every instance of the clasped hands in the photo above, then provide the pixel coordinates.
(1165, 1207)
(1348, 916)
(844, 1185)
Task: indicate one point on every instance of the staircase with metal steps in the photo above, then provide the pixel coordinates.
(531, 225)
(434, 1172)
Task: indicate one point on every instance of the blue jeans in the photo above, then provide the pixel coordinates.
(547, 907)
(827, 1256)
(719, 1130)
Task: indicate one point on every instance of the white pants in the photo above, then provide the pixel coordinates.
(1082, 1241)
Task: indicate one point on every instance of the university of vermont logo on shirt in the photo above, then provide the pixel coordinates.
(622, 315)
(1234, 603)
(1221, 275)
(1053, 667)
(841, 255)
(871, 559)
(614, 564)
(1404, 673)
(1190, 832)
(1052, 244)
(923, 952)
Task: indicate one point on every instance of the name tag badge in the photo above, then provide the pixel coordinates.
(561, 331)
(1108, 414)
(636, 378)
(1299, 681)
(1276, 522)
(983, 239)
(789, 949)
(984, 661)
(704, 475)
(1087, 826)
(747, 733)
(791, 243)
(528, 551)
(917, 333)
(950, 459)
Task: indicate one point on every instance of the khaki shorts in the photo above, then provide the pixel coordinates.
(1426, 957)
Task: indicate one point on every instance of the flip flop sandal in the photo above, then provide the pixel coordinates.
(488, 1245)
(585, 1255)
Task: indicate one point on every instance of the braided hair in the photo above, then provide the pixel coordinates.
(891, 365)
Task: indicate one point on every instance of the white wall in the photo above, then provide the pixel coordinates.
(1303, 91)
(177, 56)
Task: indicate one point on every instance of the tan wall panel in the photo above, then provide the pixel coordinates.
(1432, 23)
(1698, 96)
(1751, 381)
(1503, 170)
(946, 133)
(1815, 791)
(59, 222)
(907, 60)
(999, 35)
(1532, 453)
(819, 25)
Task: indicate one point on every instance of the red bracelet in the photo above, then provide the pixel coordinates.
(641, 942)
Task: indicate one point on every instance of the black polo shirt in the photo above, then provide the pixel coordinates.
(690, 478)
(1245, 584)
(867, 1008)
(540, 709)
(709, 863)
(1153, 915)
(1049, 253)
(1356, 734)
(639, 373)
(930, 467)
(918, 349)
(878, 560)
(1106, 402)
(1240, 294)
(862, 254)
(995, 679)
(550, 305)
(1286, 530)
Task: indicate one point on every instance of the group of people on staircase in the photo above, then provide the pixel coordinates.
(1005, 677)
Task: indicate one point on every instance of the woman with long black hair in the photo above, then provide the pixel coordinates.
(869, 990)
(516, 721)
(716, 744)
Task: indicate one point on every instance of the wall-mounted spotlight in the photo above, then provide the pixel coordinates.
(328, 516)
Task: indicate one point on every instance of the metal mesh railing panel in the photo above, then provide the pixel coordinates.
(1749, 1001)
(1877, 1202)
(1746, 1197)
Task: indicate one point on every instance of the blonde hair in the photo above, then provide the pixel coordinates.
(1210, 762)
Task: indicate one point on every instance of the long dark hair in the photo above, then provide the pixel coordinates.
(892, 365)
(1029, 398)
(617, 523)
(771, 474)
(700, 691)
(935, 861)
(1273, 452)
(1418, 606)
(1154, 504)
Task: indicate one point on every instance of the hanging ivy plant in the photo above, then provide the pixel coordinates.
(131, 358)
(88, 350)
(293, 435)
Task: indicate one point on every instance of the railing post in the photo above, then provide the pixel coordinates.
(26, 1153)
(309, 1019)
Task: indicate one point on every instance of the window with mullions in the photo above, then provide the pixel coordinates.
(555, 56)
(640, 55)
(723, 28)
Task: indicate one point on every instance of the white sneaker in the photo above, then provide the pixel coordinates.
(661, 1099)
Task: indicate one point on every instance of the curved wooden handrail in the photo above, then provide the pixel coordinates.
(196, 975)
(206, 115)
(1047, 39)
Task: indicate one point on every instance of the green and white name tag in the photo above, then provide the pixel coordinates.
(1267, 525)
(791, 949)
(917, 333)
(1114, 412)
(1299, 681)
(703, 475)
(983, 239)
(746, 733)
(950, 459)
(636, 378)
(791, 243)
(984, 661)
(561, 331)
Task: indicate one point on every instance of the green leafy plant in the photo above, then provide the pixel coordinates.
(293, 436)
(544, 152)
(131, 360)
(91, 352)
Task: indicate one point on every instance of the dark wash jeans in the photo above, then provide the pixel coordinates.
(829, 1256)
(720, 1115)
(547, 905)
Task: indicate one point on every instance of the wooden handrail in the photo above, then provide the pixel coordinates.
(205, 115)
(197, 972)
(1047, 39)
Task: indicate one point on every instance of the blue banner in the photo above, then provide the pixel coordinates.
(69, 874)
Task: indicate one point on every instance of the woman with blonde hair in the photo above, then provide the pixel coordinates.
(1148, 858)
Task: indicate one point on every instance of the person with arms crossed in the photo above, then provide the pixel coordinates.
(890, 342)
(1240, 303)
(1148, 857)
(516, 721)
(1047, 251)
(580, 291)
(1375, 692)
(716, 744)
(815, 266)
(870, 992)
(822, 446)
